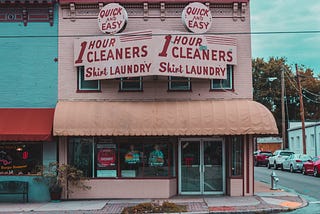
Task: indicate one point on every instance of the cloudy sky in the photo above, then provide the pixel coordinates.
(283, 16)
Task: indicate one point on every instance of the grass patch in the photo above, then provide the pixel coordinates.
(165, 207)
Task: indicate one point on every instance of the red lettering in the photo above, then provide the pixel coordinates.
(83, 47)
(222, 55)
(144, 51)
(163, 53)
(89, 57)
(230, 58)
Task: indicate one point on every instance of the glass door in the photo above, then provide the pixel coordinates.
(190, 167)
(212, 165)
(201, 166)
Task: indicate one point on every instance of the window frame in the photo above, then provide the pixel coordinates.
(230, 75)
(120, 146)
(25, 147)
(80, 78)
(131, 79)
(170, 81)
(233, 140)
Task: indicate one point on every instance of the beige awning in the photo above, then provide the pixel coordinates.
(170, 118)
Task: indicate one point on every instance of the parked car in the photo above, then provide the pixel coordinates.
(277, 158)
(312, 166)
(261, 157)
(295, 162)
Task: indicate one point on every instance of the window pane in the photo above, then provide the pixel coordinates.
(179, 83)
(106, 158)
(80, 153)
(131, 160)
(131, 84)
(20, 159)
(86, 84)
(157, 160)
(224, 83)
(236, 162)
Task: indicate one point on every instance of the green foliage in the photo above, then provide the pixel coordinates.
(267, 89)
(166, 207)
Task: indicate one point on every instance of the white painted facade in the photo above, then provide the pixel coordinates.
(312, 131)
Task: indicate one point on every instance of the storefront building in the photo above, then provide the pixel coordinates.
(29, 51)
(155, 98)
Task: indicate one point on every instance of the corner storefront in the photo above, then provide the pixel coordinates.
(184, 147)
(155, 99)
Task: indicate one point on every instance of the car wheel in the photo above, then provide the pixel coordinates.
(315, 172)
(304, 171)
(281, 167)
(268, 165)
(291, 169)
(256, 163)
(275, 165)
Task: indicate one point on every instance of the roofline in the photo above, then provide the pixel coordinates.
(62, 2)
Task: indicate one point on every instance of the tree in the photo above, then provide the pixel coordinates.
(267, 89)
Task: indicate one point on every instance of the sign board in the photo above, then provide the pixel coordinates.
(197, 17)
(153, 52)
(112, 18)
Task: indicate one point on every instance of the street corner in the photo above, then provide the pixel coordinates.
(292, 205)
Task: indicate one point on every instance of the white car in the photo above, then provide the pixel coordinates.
(295, 162)
(278, 157)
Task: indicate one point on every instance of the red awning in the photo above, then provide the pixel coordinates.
(22, 124)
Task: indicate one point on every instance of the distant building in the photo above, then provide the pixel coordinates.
(312, 131)
(268, 143)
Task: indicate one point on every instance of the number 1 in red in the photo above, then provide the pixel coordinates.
(83, 48)
(165, 46)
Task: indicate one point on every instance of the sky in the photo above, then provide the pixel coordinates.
(287, 16)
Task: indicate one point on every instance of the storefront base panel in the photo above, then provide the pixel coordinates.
(38, 192)
(236, 187)
(127, 188)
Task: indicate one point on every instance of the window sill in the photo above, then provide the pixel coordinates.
(138, 90)
(221, 90)
(88, 91)
(172, 90)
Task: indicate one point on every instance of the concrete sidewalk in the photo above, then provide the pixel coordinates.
(264, 201)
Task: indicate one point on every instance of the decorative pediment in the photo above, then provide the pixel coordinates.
(27, 11)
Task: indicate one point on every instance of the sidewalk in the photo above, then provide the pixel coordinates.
(264, 201)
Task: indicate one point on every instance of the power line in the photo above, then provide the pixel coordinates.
(182, 33)
(295, 87)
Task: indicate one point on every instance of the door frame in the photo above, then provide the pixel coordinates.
(201, 140)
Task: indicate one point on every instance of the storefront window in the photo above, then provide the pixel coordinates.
(20, 159)
(110, 159)
(86, 85)
(80, 154)
(106, 159)
(131, 84)
(237, 156)
(225, 84)
(179, 84)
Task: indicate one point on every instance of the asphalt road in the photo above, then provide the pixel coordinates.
(306, 186)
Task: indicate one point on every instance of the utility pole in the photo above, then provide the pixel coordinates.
(283, 115)
(301, 113)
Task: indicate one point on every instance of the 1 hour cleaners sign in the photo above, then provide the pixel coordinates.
(155, 52)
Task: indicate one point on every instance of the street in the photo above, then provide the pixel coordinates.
(306, 186)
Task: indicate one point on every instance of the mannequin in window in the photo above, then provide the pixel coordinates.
(156, 157)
